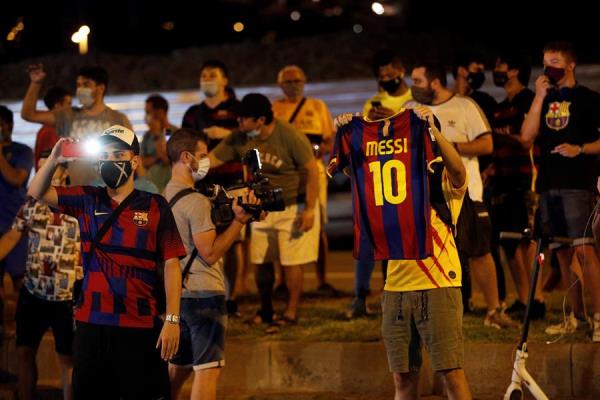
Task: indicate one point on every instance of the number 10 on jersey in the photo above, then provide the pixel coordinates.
(385, 185)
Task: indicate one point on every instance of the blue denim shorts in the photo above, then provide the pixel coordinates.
(567, 213)
(202, 338)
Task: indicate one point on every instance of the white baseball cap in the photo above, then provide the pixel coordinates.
(121, 134)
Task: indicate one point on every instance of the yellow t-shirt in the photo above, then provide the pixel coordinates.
(394, 103)
(313, 118)
(443, 268)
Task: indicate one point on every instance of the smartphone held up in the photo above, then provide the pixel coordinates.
(80, 149)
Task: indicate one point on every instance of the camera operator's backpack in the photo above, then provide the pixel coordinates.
(178, 196)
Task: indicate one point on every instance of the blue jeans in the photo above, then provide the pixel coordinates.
(363, 269)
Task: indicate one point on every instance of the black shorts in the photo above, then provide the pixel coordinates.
(34, 316)
(474, 229)
(512, 212)
(118, 363)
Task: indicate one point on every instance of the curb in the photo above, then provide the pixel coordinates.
(562, 370)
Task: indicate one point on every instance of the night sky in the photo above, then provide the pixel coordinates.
(138, 27)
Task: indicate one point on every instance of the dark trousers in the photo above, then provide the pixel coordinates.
(118, 363)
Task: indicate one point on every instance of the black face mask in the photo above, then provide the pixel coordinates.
(422, 95)
(115, 173)
(391, 85)
(500, 78)
(476, 79)
(554, 74)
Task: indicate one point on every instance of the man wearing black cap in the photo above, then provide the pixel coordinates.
(291, 236)
(117, 312)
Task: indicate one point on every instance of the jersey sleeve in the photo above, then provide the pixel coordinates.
(71, 200)
(432, 150)
(454, 196)
(476, 122)
(430, 146)
(169, 240)
(341, 150)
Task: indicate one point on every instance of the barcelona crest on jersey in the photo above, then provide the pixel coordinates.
(558, 115)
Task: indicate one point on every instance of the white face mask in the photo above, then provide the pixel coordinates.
(203, 167)
(209, 88)
(253, 134)
(84, 95)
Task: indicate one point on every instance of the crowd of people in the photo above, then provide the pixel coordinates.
(100, 245)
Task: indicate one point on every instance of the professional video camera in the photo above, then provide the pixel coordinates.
(271, 198)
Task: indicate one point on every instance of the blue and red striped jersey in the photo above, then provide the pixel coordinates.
(120, 282)
(388, 161)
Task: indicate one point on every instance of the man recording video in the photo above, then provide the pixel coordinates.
(203, 313)
(291, 236)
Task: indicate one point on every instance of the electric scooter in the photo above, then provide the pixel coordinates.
(520, 376)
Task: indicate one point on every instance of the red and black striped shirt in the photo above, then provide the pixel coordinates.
(120, 280)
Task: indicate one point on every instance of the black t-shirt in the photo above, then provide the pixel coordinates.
(201, 116)
(488, 105)
(569, 115)
(513, 168)
(486, 102)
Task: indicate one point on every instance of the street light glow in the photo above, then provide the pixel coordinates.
(295, 15)
(377, 8)
(238, 27)
(12, 35)
(80, 37)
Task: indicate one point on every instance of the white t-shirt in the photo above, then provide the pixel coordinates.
(463, 121)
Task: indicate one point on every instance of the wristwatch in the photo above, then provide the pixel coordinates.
(172, 318)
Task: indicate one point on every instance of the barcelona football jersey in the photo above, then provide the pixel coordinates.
(120, 282)
(388, 162)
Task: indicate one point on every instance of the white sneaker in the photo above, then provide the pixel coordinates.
(596, 332)
(569, 325)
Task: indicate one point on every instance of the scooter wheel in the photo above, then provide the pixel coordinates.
(516, 395)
